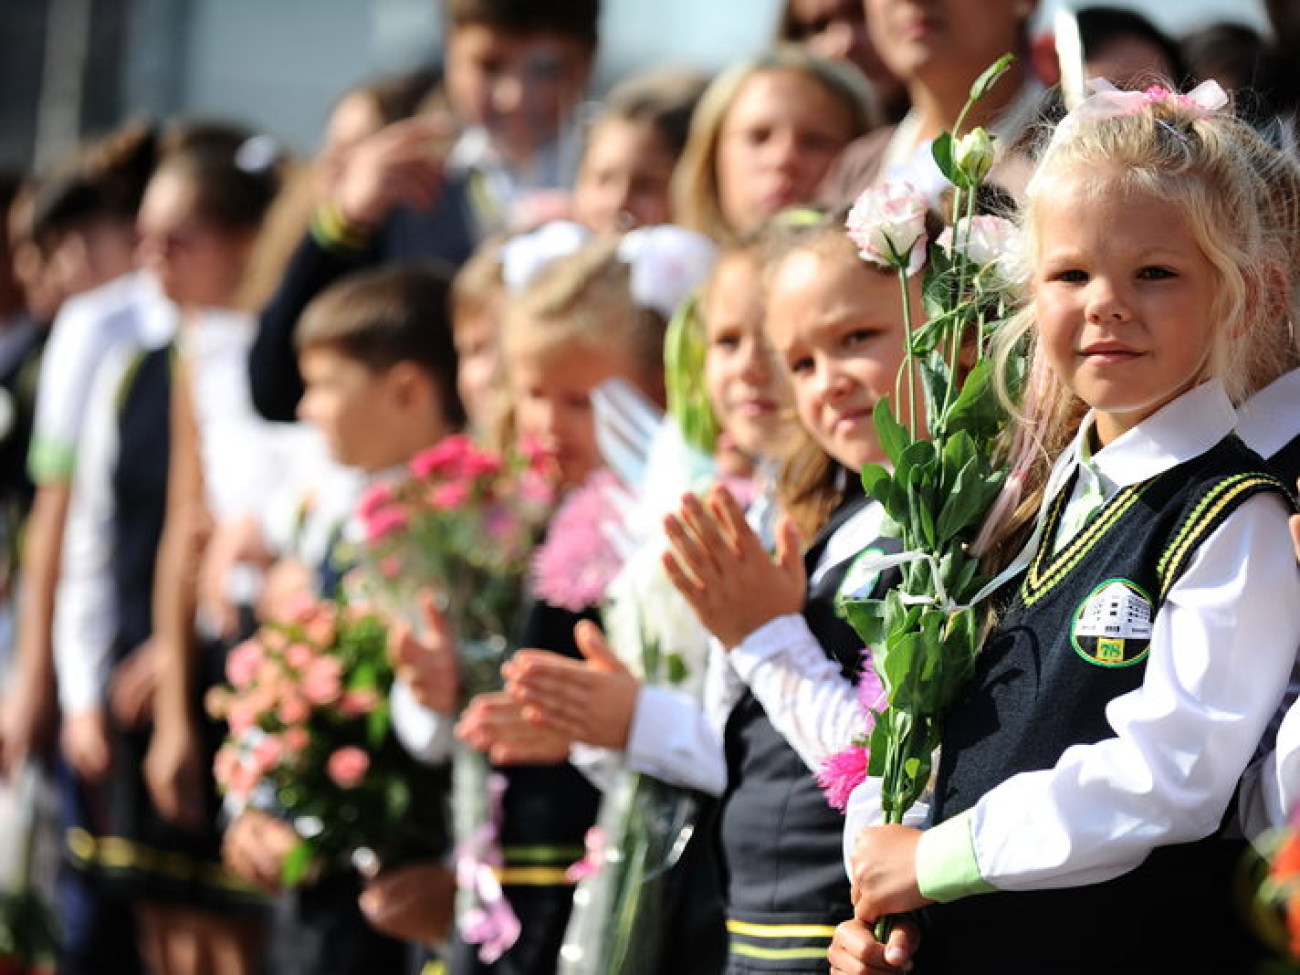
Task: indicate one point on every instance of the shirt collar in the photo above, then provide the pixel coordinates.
(1178, 432)
(1271, 418)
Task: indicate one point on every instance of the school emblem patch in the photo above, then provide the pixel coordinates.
(1112, 627)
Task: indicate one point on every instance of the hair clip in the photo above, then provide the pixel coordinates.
(257, 154)
(1107, 101)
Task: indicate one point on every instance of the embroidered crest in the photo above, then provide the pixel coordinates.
(1112, 627)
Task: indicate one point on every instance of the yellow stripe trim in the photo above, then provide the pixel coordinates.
(781, 930)
(779, 954)
(532, 877)
(1201, 519)
(1046, 572)
(115, 853)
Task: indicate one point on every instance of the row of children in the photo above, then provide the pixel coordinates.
(379, 383)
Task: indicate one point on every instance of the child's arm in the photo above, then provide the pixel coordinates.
(753, 605)
(427, 689)
(1222, 650)
(85, 617)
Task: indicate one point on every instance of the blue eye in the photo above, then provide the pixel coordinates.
(1155, 273)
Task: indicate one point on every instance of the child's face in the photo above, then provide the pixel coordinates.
(195, 263)
(551, 392)
(357, 410)
(520, 87)
(624, 178)
(779, 138)
(747, 389)
(1124, 298)
(838, 329)
(478, 361)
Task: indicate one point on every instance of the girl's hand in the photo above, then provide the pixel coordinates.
(132, 686)
(255, 847)
(591, 700)
(427, 663)
(495, 723)
(86, 745)
(411, 903)
(719, 565)
(855, 950)
(884, 872)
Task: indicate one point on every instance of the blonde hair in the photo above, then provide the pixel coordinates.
(696, 194)
(1241, 201)
(585, 300)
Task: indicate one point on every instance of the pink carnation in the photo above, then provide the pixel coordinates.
(299, 656)
(384, 522)
(376, 497)
(841, 774)
(446, 497)
(323, 681)
(293, 710)
(347, 767)
(267, 753)
(295, 740)
(357, 703)
(243, 663)
(871, 692)
(577, 562)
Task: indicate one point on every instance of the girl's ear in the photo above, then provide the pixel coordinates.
(1271, 296)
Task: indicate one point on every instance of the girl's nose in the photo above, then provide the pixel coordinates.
(1105, 304)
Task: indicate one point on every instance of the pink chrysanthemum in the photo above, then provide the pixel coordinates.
(841, 774)
(575, 565)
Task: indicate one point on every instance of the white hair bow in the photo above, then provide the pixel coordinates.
(526, 256)
(667, 263)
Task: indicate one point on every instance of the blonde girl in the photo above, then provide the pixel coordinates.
(1133, 668)
(764, 135)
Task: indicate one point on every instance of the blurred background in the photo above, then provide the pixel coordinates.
(69, 68)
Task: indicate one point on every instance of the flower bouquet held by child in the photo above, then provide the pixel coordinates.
(311, 741)
(461, 522)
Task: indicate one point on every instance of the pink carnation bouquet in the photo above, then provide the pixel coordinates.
(310, 739)
(462, 522)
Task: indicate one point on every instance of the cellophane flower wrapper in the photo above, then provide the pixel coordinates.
(462, 523)
(624, 895)
(311, 740)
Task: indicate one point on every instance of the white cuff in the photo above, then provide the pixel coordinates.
(425, 734)
(671, 739)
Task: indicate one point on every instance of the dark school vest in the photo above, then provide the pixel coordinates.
(140, 492)
(546, 812)
(1076, 635)
(781, 841)
(1286, 463)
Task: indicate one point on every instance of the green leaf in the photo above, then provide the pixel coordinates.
(893, 438)
(977, 410)
(296, 864)
(941, 149)
(867, 617)
(377, 726)
(677, 670)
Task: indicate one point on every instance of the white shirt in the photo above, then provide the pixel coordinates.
(85, 608)
(131, 307)
(1270, 789)
(1222, 647)
(802, 690)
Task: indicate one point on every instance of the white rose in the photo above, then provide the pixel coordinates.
(986, 241)
(887, 223)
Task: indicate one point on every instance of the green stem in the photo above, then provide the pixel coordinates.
(910, 360)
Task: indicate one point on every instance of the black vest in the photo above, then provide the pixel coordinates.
(1286, 463)
(1074, 637)
(782, 843)
(140, 492)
